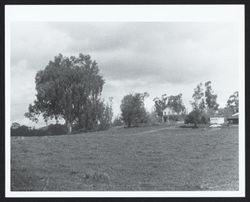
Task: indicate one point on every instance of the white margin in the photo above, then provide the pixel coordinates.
(7, 108)
(115, 13)
(242, 149)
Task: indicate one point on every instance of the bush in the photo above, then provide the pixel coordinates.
(97, 117)
(191, 118)
(204, 119)
(153, 119)
(56, 129)
(117, 121)
(173, 117)
(20, 131)
(196, 117)
(53, 129)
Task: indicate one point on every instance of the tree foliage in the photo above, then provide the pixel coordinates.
(233, 102)
(173, 102)
(106, 115)
(210, 97)
(198, 103)
(118, 121)
(176, 104)
(203, 103)
(161, 104)
(153, 118)
(68, 88)
(133, 110)
(196, 117)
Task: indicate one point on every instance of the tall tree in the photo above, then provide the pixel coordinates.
(198, 96)
(233, 102)
(161, 104)
(67, 88)
(210, 97)
(198, 114)
(133, 109)
(106, 115)
(175, 103)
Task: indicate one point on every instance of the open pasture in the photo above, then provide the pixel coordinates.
(120, 159)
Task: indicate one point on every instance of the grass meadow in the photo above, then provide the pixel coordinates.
(155, 158)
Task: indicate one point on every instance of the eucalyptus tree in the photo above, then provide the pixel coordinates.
(68, 88)
(133, 110)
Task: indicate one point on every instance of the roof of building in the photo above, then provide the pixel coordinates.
(234, 116)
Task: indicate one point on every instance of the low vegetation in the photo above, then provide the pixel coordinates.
(52, 129)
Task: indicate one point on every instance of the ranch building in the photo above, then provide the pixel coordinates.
(167, 113)
(234, 119)
(217, 120)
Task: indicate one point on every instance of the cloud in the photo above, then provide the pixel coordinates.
(22, 89)
(94, 36)
(36, 43)
(173, 52)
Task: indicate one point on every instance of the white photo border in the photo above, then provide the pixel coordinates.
(119, 13)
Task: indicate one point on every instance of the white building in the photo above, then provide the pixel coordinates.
(168, 112)
(217, 120)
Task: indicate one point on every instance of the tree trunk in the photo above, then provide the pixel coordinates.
(69, 126)
(129, 124)
(195, 125)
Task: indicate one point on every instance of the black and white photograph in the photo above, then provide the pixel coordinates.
(125, 100)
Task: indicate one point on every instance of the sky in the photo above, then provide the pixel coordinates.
(154, 57)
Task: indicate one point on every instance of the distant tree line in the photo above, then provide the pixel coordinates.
(204, 105)
(69, 89)
(52, 129)
(133, 112)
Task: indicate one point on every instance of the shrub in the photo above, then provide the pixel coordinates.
(204, 119)
(56, 129)
(20, 131)
(153, 119)
(117, 121)
(196, 117)
(173, 117)
(53, 129)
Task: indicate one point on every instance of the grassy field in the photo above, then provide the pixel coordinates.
(139, 159)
